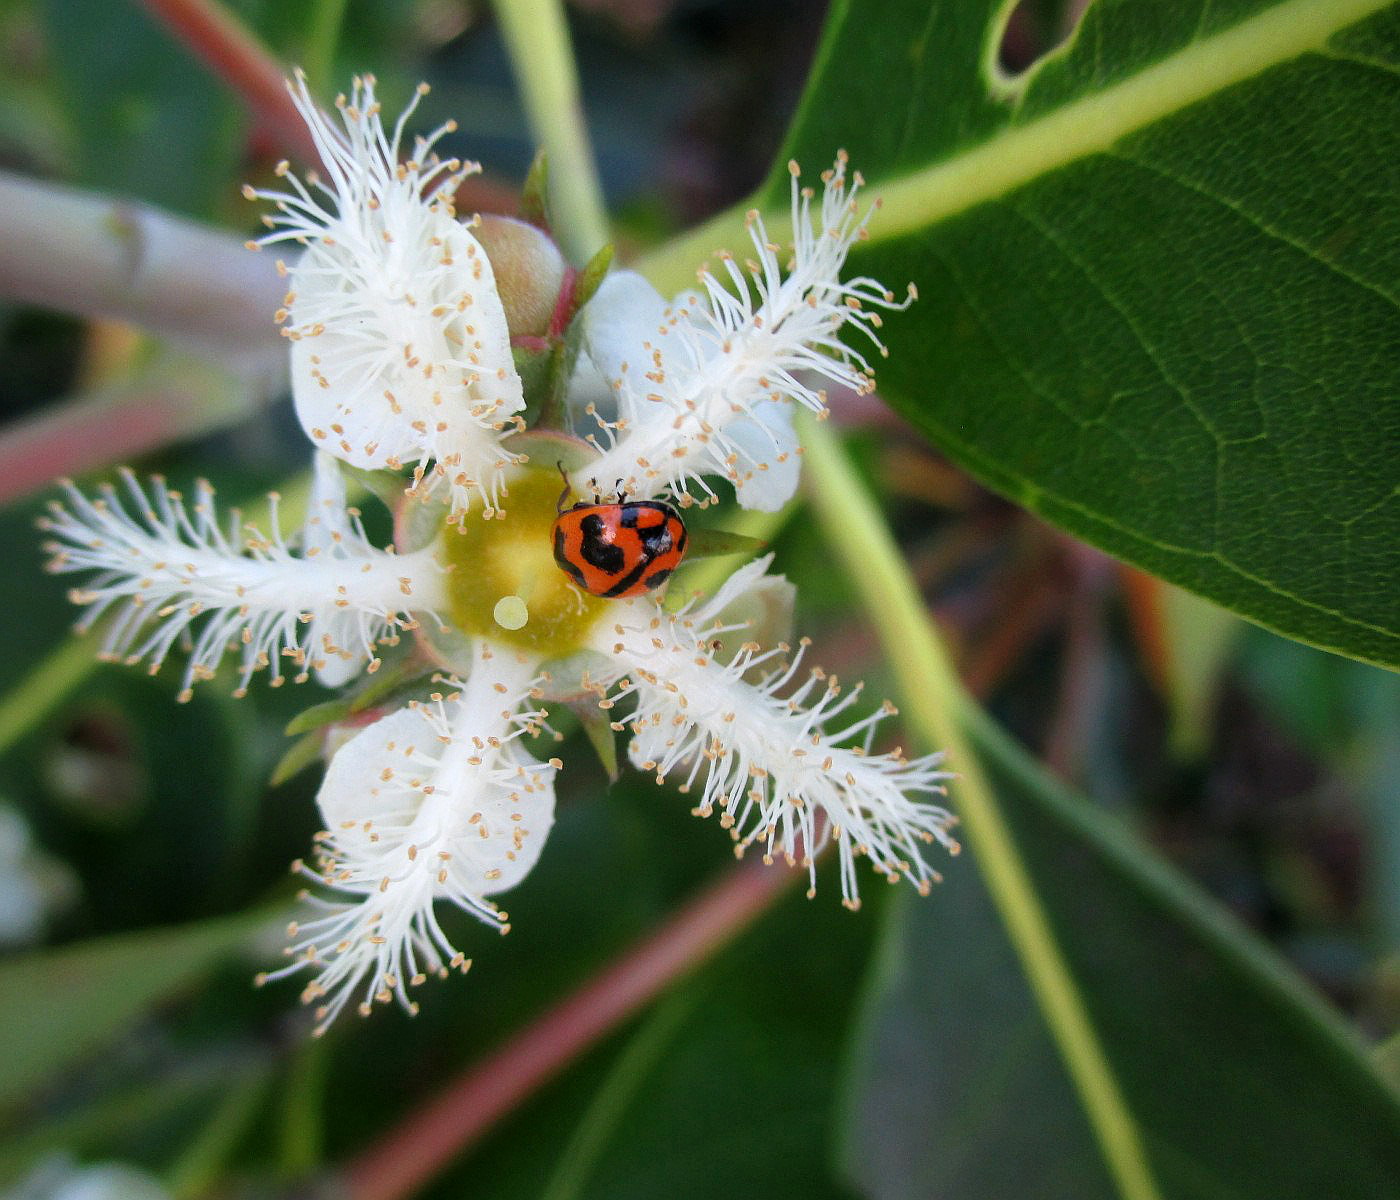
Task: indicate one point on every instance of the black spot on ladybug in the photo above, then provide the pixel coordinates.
(597, 548)
(656, 541)
(629, 580)
(562, 558)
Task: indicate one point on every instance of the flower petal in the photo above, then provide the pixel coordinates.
(400, 349)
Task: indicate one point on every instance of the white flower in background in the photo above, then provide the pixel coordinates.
(402, 363)
(32, 884)
(59, 1178)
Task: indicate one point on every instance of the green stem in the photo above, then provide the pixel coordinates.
(300, 1131)
(42, 690)
(602, 1120)
(940, 713)
(537, 39)
(322, 37)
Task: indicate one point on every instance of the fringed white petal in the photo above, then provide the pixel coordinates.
(753, 737)
(761, 334)
(329, 532)
(400, 351)
(167, 571)
(767, 457)
(438, 801)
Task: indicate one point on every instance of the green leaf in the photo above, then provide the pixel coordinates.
(302, 753)
(723, 1089)
(1243, 1083)
(146, 119)
(63, 1004)
(717, 543)
(1158, 277)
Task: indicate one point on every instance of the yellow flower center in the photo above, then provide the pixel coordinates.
(505, 584)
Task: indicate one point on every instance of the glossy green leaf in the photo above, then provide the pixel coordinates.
(1242, 1083)
(62, 1004)
(1158, 278)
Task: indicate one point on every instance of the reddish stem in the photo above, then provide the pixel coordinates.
(1143, 595)
(226, 46)
(1081, 676)
(229, 49)
(428, 1139)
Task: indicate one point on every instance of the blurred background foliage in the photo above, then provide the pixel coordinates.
(1264, 770)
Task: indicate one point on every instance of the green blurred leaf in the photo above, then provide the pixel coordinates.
(301, 754)
(1243, 1083)
(145, 118)
(725, 1089)
(1158, 277)
(63, 1004)
(106, 1125)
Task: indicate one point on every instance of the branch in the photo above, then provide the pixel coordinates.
(428, 1139)
(98, 257)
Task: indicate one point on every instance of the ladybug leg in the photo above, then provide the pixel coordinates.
(568, 487)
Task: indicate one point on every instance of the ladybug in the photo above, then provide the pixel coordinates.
(618, 550)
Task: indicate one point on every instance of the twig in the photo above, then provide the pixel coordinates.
(97, 257)
(1081, 677)
(219, 40)
(229, 49)
(430, 1137)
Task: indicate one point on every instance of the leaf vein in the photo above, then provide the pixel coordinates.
(1251, 219)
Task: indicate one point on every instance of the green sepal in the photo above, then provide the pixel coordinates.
(590, 278)
(535, 366)
(318, 716)
(534, 195)
(383, 685)
(300, 755)
(384, 486)
(714, 543)
(597, 724)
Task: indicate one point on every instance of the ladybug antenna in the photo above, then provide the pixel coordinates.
(568, 487)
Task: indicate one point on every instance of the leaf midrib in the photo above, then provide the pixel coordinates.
(1076, 130)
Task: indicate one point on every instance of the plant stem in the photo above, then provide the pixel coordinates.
(327, 17)
(98, 257)
(432, 1136)
(43, 689)
(537, 38)
(172, 400)
(224, 44)
(938, 711)
(202, 1163)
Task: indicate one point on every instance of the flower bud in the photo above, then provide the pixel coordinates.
(529, 272)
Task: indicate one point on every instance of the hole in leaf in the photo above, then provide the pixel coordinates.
(1035, 28)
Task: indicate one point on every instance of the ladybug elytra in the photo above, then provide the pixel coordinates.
(619, 550)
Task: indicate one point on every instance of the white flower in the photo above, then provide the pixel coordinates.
(166, 568)
(437, 801)
(59, 1178)
(400, 351)
(402, 363)
(760, 750)
(32, 885)
(704, 386)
